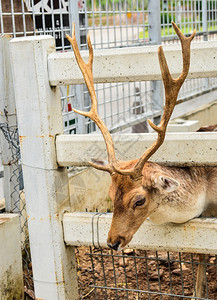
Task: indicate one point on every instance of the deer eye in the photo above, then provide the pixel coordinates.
(139, 202)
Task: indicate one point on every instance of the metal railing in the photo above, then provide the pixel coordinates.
(134, 23)
(113, 24)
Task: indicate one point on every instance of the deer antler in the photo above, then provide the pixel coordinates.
(171, 86)
(87, 71)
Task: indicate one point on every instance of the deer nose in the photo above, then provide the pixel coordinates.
(114, 246)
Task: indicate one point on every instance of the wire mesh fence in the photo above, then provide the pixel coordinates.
(17, 194)
(128, 23)
(140, 274)
(112, 24)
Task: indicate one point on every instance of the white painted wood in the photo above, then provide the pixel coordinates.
(181, 125)
(133, 64)
(46, 185)
(178, 149)
(11, 270)
(7, 102)
(196, 236)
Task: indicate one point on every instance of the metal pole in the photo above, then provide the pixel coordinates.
(74, 17)
(205, 34)
(10, 157)
(204, 20)
(46, 185)
(154, 22)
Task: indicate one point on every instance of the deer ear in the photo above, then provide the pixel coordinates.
(99, 161)
(165, 183)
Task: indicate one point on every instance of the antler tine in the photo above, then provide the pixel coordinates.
(87, 71)
(172, 87)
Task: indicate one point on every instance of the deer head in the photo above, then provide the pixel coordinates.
(136, 185)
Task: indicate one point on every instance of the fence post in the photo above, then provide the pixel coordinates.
(154, 23)
(74, 17)
(46, 185)
(10, 157)
(204, 20)
(205, 34)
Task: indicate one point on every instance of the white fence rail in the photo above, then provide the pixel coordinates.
(40, 123)
(94, 227)
(133, 64)
(178, 149)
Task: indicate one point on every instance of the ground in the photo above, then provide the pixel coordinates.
(125, 274)
(167, 273)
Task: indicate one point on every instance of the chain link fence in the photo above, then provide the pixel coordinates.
(10, 137)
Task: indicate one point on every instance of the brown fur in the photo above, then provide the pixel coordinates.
(208, 128)
(195, 195)
(193, 182)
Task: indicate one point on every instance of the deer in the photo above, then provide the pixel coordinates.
(142, 189)
(208, 128)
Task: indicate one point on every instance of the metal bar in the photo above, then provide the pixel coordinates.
(1, 18)
(147, 273)
(74, 17)
(154, 22)
(23, 17)
(93, 270)
(205, 32)
(149, 292)
(61, 25)
(188, 237)
(13, 18)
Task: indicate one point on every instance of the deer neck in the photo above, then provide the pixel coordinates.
(188, 201)
(179, 211)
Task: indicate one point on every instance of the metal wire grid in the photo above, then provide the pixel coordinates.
(119, 105)
(212, 13)
(123, 103)
(113, 24)
(30, 17)
(137, 274)
(188, 15)
(17, 194)
(108, 24)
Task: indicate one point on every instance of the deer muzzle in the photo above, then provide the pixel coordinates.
(114, 246)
